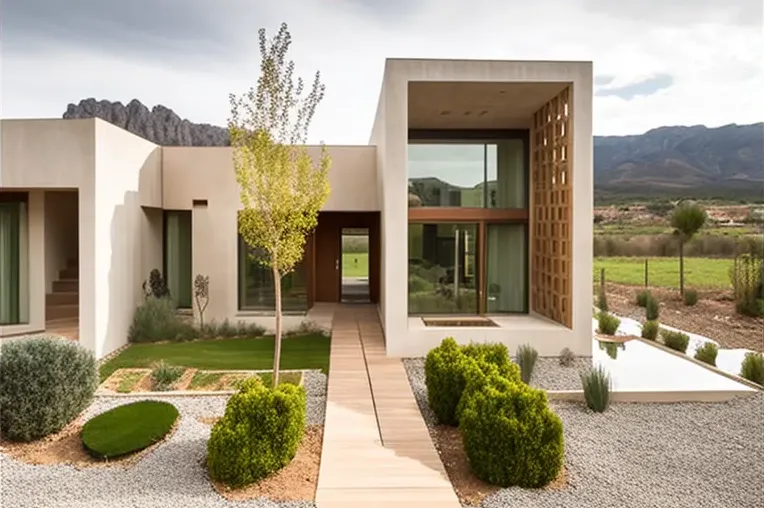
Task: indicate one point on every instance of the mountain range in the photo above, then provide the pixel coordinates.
(695, 161)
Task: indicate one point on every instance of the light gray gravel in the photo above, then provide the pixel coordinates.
(171, 475)
(691, 455)
(548, 374)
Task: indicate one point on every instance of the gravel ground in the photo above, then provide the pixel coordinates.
(691, 455)
(548, 374)
(172, 475)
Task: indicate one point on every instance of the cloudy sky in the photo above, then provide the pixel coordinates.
(657, 62)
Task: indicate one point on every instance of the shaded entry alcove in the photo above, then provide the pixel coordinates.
(329, 264)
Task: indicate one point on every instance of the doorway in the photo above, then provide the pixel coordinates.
(355, 266)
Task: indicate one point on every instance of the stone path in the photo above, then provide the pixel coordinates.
(377, 451)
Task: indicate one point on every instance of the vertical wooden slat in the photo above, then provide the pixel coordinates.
(551, 214)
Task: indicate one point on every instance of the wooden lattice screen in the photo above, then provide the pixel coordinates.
(551, 216)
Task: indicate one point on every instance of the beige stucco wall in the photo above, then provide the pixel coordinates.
(46, 154)
(206, 173)
(190, 173)
(118, 248)
(391, 128)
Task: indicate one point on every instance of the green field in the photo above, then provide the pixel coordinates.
(703, 273)
(651, 229)
(355, 264)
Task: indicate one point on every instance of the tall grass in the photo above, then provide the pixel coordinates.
(526, 359)
(597, 384)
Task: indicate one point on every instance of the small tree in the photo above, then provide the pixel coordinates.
(686, 219)
(202, 295)
(281, 188)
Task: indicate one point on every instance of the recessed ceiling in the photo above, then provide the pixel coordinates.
(476, 105)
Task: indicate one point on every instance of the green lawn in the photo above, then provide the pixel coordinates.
(305, 352)
(664, 272)
(355, 264)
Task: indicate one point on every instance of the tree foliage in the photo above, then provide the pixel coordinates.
(686, 219)
(281, 187)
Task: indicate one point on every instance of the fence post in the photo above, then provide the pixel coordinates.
(602, 281)
(646, 279)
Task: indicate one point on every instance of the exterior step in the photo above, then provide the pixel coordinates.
(62, 298)
(61, 311)
(69, 273)
(66, 286)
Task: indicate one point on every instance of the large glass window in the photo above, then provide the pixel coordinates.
(467, 175)
(177, 256)
(443, 274)
(256, 289)
(14, 294)
(506, 268)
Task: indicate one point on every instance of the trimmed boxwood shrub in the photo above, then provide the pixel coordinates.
(45, 382)
(707, 353)
(128, 428)
(259, 433)
(445, 373)
(677, 341)
(650, 330)
(752, 368)
(510, 435)
(607, 324)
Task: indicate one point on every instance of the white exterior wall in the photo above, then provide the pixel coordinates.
(407, 336)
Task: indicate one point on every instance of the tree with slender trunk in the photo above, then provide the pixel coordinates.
(686, 219)
(282, 188)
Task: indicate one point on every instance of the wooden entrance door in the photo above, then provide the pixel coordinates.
(328, 254)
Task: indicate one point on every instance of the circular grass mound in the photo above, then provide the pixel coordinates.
(128, 429)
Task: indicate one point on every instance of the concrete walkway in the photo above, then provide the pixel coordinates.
(377, 450)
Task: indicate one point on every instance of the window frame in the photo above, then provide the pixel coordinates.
(483, 215)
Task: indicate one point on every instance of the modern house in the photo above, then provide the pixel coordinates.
(474, 192)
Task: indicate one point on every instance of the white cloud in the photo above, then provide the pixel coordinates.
(713, 55)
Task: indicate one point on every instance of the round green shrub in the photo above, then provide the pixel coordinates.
(128, 428)
(446, 370)
(650, 330)
(690, 297)
(677, 341)
(45, 382)
(607, 323)
(444, 377)
(752, 368)
(510, 435)
(259, 433)
(707, 353)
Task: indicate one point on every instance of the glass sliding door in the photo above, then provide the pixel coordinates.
(443, 270)
(506, 268)
(468, 197)
(177, 256)
(10, 220)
